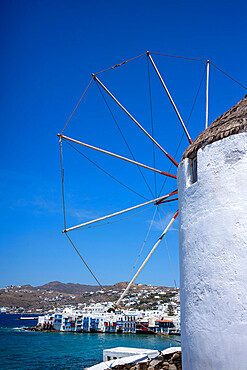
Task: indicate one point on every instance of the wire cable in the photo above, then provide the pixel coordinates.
(152, 121)
(139, 255)
(121, 132)
(168, 251)
(166, 214)
(118, 65)
(89, 269)
(177, 56)
(187, 124)
(77, 105)
(120, 219)
(107, 173)
(228, 75)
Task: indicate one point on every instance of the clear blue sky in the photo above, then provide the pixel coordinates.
(48, 51)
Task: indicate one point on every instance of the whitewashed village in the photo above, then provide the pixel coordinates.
(145, 308)
(103, 317)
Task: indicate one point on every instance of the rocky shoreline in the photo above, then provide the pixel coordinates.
(40, 328)
(170, 361)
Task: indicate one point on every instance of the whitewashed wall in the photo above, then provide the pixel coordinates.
(213, 257)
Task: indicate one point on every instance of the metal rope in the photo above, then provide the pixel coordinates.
(108, 174)
(121, 132)
(187, 123)
(77, 105)
(172, 188)
(139, 255)
(168, 252)
(170, 205)
(152, 122)
(118, 65)
(166, 214)
(135, 121)
(229, 76)
(120, 219)
(91, 272)
(177, 56)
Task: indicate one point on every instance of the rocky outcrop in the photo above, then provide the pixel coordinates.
(40, 328)
(170, 361)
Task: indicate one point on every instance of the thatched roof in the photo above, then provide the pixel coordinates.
(232, 122)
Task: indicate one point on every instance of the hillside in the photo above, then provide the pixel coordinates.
(68, 288)
(56, 294)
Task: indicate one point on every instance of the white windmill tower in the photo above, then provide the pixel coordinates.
(212, 185)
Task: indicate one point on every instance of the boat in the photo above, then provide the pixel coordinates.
(28, 318)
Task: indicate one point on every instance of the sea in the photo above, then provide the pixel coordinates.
(21, 349)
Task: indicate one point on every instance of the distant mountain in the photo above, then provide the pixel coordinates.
(68, 288)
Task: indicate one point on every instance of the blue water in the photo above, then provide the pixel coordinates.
(20, 349)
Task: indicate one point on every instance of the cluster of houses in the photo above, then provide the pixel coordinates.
(101, 318)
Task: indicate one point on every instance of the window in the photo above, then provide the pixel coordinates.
(193, 170)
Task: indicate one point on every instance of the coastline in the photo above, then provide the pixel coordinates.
(61, 350)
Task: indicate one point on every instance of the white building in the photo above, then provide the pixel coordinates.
(120, 352)
(96, 318)
(212, 185)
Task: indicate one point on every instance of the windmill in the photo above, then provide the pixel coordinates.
(169, 197)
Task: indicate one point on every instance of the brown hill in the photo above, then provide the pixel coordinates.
(56, 294)
(68, 288)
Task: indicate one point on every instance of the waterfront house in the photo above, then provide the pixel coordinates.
(95, 318)
(163, 326)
